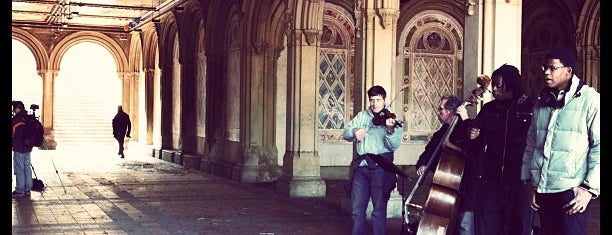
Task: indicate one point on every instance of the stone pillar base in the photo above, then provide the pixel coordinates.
(48, 144)
(192, 161)
(304, 187)
(167, 155)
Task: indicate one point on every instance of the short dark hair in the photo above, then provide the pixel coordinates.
(452, 102)
(512, 78)
(566, 56)
(18, 104)
(377, 90)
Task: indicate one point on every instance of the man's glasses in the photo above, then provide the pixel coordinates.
(551, 68)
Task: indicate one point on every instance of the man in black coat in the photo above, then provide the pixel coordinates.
(21, 152)
(499, 135)
(121, 128)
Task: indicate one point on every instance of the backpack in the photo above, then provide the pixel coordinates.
(33, 132)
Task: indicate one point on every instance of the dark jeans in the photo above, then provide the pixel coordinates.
(553, 218)
(503, 209)
(120, 141)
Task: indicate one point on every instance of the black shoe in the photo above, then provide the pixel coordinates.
(17, 194)
(122, 156)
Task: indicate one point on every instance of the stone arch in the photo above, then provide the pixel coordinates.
(453, 9)
(545, 26)
(100, 38)
(167, 31)
(588, 44)
(191, 21)
(431, 51)
(38, 50)
(136, 53)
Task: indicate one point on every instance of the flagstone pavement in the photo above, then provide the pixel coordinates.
(90, 190)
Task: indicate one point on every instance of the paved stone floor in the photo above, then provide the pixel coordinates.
(90, 190)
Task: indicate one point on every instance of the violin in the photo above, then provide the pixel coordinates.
(381, 118)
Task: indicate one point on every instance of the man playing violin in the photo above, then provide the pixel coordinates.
(369, 179)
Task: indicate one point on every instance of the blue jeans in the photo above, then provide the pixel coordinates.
(368, 182)
(466, 223)
(23, 171)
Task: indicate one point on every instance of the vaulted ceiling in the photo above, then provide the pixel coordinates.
(97, 15)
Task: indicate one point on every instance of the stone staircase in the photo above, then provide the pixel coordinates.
(83, 118)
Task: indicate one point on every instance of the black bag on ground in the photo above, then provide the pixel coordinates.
(37, 184)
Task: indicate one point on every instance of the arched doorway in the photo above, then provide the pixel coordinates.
(87, 93)
(26, 83)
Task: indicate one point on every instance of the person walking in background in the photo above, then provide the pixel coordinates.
(373, 138)
(121, 128)
(498, 136)
(561, 161)
(21, 152)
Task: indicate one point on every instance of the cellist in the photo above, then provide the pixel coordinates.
(449, 107)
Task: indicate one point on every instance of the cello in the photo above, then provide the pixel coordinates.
(439, 214)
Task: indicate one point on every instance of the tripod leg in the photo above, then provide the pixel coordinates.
(56, 172)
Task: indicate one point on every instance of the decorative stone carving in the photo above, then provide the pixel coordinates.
(387, 17)
(260, 47)
(311, 36)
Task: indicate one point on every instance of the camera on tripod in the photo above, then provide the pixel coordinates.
(34, 107)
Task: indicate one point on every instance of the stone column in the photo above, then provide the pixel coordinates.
(502, 34)
(375, 46)
(301, 168)
(260, 161)
(376, 32)
(188, 137)
(134, 104)
(253, 114)
(149, 108)
(472, 45)
(48, 78)
(166, 104)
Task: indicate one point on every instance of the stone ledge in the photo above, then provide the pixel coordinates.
(192, 161)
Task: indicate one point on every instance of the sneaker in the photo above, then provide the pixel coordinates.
(16, 194)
